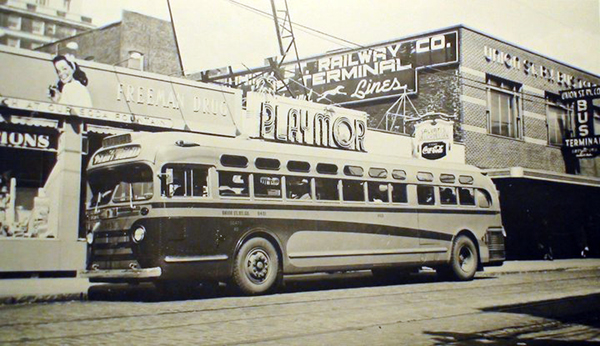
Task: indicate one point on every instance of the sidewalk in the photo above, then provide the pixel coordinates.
(39, 290)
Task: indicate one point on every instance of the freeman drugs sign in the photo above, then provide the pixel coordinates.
(288, 120)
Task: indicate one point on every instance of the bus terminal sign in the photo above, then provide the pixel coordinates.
(585, 143)
(288, 120)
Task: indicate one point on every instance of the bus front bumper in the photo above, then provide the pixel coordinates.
(145, 273)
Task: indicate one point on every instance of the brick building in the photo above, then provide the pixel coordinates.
(507, 111)
(29, 24)
(137, 41)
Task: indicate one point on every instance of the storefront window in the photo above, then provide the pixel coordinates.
(504, 107)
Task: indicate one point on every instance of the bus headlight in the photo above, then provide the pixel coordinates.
(90, 238)
(138, 234)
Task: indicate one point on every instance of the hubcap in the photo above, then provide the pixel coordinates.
(466, 259)
(257, 265)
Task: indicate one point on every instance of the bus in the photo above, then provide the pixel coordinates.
(179, 209)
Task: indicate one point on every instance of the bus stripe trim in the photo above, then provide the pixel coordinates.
(319, 207)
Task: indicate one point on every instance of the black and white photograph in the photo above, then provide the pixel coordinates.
(300, 172)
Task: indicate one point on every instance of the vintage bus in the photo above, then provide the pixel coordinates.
(180, 209)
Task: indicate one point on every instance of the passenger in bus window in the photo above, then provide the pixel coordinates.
(447, 195)
(233, 184)
(298, 188)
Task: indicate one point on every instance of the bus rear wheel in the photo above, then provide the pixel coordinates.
(464, 260)
(256, 266)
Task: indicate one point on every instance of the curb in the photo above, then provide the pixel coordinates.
(524, 271)
(44, 298)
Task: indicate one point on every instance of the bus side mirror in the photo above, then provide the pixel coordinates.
(167, 179)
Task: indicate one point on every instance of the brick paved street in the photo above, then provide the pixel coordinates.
(530, 309)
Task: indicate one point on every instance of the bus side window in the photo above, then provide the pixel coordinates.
(297, 187)
(465, 196)
(353, 190)
(233, 184)
(327, 189)
(180, 182)
(378, 192)
(399, 194)
(267, 186)
(447, 195)
(200, 182)
(484, 199)
(425, 194)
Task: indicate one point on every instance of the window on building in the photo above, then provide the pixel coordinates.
(136, 61)
(558, 118)
(14, 22)
(50, 29)
(37, 27)
(504, 102)
(13, 42)
(67, 5)
(42, 2)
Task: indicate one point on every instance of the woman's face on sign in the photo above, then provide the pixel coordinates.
(64, 71)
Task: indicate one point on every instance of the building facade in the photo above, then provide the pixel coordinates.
(505, 103)
(30, 24)
(137, 42)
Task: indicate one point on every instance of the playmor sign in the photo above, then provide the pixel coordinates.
(63, 85)
(307, 123)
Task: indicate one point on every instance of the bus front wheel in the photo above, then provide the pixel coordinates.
(464, 260)
(256, 266)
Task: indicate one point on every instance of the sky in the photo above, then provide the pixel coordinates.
(218, 33)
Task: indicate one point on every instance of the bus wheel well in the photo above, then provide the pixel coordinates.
(263, 233)
(470, 235)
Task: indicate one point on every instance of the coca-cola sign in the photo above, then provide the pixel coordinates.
(433, 150)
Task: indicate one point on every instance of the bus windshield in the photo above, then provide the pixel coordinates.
(124, 183)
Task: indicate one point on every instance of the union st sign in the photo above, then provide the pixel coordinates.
(585, 143)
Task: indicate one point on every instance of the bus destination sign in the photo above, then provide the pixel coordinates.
(302, 122)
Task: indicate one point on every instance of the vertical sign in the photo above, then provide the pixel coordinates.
(584, 118)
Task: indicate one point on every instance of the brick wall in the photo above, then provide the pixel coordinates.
(152, 37)
(439, 91)
(532, 150)
(136, 32)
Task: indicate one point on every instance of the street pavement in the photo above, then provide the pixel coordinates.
(60, 289)
(560, 306)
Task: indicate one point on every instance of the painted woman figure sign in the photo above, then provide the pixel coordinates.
(71, 87)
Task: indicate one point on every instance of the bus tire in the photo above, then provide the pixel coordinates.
(256, 266)
(463, 260)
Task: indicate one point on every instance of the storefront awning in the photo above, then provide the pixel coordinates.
(30, 121)
(526, 173)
